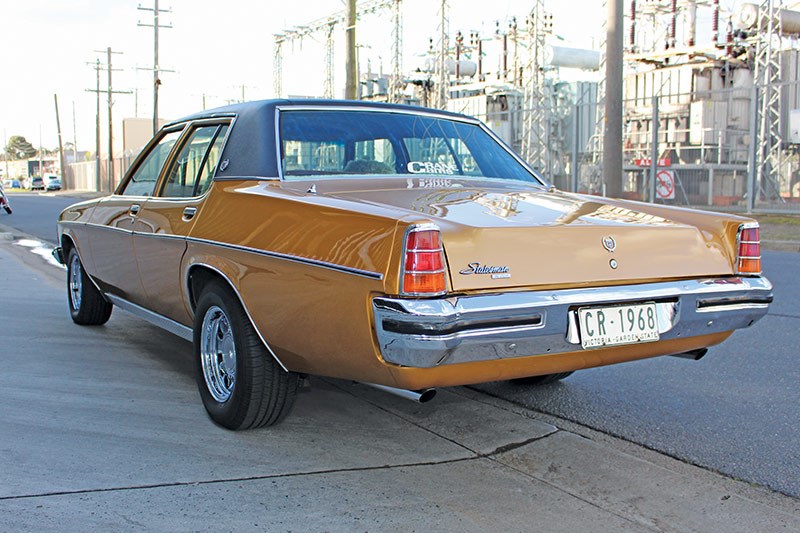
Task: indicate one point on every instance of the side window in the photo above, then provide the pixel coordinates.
(185, 168)
(212, 160)
(143, 181)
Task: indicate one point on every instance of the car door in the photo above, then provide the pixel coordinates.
(165, 220)
(114, 218)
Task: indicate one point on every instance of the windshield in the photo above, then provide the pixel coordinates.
(358, 143)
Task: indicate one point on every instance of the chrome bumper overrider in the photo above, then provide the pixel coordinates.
(424, 333)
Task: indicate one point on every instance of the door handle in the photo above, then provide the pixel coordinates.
(189, 212)
(134, 210)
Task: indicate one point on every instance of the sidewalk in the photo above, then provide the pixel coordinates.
(780, 232)
(103, 429)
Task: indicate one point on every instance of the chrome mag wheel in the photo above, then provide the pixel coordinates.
(218, 354)
(75, 282)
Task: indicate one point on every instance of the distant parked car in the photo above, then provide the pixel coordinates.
(12, 184)
(52, 184)
(37, 184)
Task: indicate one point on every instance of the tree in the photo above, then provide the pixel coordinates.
(19, 148)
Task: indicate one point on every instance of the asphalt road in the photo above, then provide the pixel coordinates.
(735, 411)
(36, 213)
(102, 429)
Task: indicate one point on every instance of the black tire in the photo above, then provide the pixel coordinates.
(87, 306)
(7, 208)
(542, 380)
(259, 392)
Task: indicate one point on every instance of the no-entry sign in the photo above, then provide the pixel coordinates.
(665, 184)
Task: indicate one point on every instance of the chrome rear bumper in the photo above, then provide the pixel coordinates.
(425, 333)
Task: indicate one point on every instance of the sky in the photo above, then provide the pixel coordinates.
(217, 50)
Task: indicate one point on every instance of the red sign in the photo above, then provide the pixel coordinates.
(665, 184)
(665, 162)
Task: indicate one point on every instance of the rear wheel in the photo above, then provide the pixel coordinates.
(241, 384)
(87, 306)
(542, 380)
(7, 208)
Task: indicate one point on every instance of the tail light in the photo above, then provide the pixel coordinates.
(748, 259)
(423, 272)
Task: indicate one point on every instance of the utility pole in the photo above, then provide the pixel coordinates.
(350, 62)
(41, 162)
(110, 92)
(156, 67)
(5, 152)
(74, 136)
(97, 129)
(60, 144)
(612, 136)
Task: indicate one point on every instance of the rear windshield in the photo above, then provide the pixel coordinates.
(358, 143)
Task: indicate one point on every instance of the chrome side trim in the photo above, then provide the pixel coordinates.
(425, 333)
(276, 255)
(288, 257)
(241, 302)
(246, 178)
(167, 236)
(161, 321)
(95, 225)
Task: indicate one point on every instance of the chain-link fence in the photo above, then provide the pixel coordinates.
(702, 151)
(83, 176)
(686, 140)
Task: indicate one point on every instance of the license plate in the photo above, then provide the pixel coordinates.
(621, 324)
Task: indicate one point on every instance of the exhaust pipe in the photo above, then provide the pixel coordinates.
(420, 396)
(693, 354)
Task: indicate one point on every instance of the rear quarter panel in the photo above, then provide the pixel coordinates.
(316, 318)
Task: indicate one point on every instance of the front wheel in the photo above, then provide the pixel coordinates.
(241, 384)
(7, 208)
(87, 306)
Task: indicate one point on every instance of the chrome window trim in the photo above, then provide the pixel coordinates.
(183, 139)
(246, 178)
(185, 126)
(145, 151)
(421, 112)
(239, 297)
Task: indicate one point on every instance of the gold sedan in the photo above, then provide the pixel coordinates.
(396, 246)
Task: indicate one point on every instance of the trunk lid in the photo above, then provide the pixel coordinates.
(504, 235)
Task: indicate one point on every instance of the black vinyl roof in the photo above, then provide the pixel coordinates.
(251, 146)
